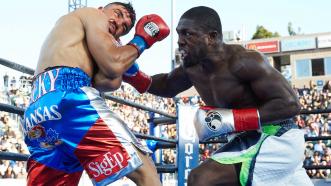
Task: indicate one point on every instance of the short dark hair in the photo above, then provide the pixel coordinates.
(129, 8)
(206, 17)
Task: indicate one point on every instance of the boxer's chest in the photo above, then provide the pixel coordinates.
(222, 89)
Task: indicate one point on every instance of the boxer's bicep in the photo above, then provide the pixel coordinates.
(111, 59)
(170, 84)
(258, 74)
(263, 81)
(275, 99)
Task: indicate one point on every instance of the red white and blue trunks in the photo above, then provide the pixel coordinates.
(68, 128)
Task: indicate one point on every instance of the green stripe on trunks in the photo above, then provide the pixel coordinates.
(270, 129)
(245, 157)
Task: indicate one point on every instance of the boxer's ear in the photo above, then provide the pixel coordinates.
(213, 37)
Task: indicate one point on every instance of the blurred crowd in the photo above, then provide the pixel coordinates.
(13, 92)
(317, 152)
(16, 92)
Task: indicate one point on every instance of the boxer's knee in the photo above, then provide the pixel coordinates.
(146, 174)
(196, 178)
(201, 176)
(212, 173)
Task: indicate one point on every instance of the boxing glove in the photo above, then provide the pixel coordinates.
(136, 78)
(210, 122)
(149, 29)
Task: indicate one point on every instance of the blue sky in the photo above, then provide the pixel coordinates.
(25, 24)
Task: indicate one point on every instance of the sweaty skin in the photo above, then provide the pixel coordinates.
(227, 76)
(87, 38)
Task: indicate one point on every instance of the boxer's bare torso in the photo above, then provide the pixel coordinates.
(227, 76)
(88, 39)
(66, 45)
(243, 79)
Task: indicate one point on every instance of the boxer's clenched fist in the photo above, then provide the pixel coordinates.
(149, 29)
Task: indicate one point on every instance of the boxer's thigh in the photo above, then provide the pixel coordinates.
(40, 174)
(212, 173)
(145, 174)
(107, 150)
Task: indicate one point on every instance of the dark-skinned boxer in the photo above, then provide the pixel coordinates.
(246, 98)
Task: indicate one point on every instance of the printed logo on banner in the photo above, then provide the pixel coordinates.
(298, 44)
(264, 47)
(324, 41)
(188, 143)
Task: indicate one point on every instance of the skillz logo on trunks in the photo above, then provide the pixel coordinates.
(107, 164)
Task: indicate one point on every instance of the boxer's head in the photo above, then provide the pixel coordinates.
(199, 30)
(121, 17)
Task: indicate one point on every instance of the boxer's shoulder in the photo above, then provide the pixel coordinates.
(87, 15)
(245, 61)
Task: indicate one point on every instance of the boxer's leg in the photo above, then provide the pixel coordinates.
(108, 150)
(212, 173)
(39, 174)
(146, 174)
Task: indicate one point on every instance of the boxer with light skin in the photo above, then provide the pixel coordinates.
(246, 98)
(68, 126)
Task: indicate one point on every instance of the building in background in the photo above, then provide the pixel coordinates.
(302, 59)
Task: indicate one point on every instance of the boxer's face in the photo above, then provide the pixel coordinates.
(119, 20)
(192, 42)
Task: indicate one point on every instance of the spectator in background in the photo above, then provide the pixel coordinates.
(327, 86)
(319, 146)
(168, 105)
(299, 121)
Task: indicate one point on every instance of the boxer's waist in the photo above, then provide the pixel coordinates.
(59, 78)
(279, 127)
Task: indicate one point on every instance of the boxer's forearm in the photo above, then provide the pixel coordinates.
(104, 84)
(168, 85)
(160, 86)
(278, 109)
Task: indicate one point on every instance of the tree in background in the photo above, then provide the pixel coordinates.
(262, 32)
(291, 31)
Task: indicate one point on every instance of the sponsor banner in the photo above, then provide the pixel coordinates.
(188, 142)
(264, 47)
(324, 41)
(298, 44)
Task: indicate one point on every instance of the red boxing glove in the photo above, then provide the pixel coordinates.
(140, 81)
(149, 29)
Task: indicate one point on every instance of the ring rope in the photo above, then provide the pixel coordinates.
(133, 104)
(20, 111)
(145, 136)
(11, 109)
(160, 167)
(162, 120)
(16, 66)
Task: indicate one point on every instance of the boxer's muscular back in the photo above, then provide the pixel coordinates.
(66, 45)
